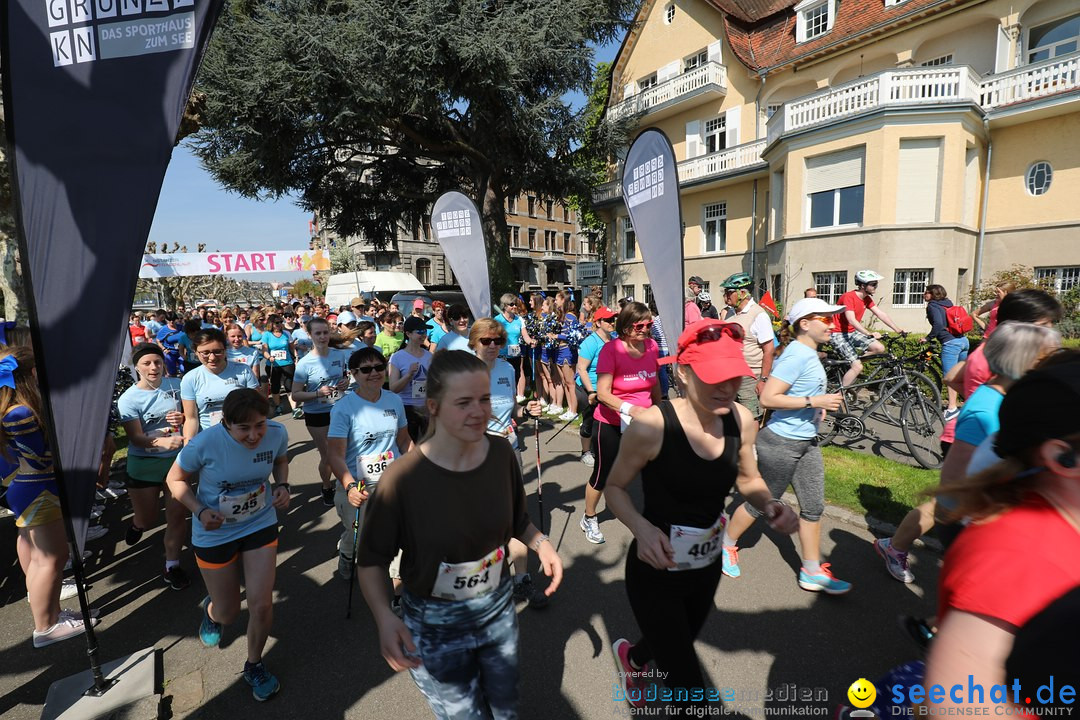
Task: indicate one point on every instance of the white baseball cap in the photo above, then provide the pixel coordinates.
(345, 318)
(811, 306)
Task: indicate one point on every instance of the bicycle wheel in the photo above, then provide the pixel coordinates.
(927, 387)
(922, 424)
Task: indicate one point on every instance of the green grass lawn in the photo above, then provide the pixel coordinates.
(121, 445)
(868, 484)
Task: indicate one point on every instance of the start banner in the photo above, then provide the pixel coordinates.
(231, 263)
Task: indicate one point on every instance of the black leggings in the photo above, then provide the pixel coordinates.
(605, 447)
(588, 420)
(670, 609)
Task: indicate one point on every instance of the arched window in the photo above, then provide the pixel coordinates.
(423, 271)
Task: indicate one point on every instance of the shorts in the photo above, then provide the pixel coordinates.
(145, 471)
(851, 345)
(588, 422)
(281, 375)
(35, 503)
(219, 556)
(320, 419)
(748, 396)
(565, 356)
(547, 355)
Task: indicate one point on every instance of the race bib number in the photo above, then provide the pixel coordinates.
(243, 360)
(468, 580)
(214, 417)
(419, 389)
(373, 466)
(237, 508)
(513, 351)
(696, 547)
(278, 355)
(332, 398)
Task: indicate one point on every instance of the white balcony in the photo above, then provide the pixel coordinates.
(554, 256)
(1031, 82)
(718, 164)
(522, 252)
(607, 192)
(691, 88)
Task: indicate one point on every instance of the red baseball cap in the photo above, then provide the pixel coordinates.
(713, 348)
(603, 313)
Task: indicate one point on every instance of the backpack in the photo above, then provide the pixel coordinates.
(958, 321)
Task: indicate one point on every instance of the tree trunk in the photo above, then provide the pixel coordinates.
(11, 282)
(493, 221)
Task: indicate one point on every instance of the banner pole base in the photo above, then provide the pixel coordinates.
(131, 684)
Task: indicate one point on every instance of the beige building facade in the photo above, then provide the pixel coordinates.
(929, 140)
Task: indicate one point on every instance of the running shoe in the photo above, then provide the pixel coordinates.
(631, 680)
(263, 685)
(895, 561)
(554, 410)
(591, 527)
(176, 578)
(96, 532)
(209, 631)
(117, 484)
(65, 628)
(822, 581)
(519, 399)
(133, 535)
(568, 415)
(298, 413)
(729, 560)
(114, 492)
(68, 589)
(950, 414)
(588, 459)
(97, 511)
(328, 496)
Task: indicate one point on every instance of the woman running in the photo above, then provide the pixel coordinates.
(235, 509)
(320, 380)
(280, 353)
(151, 413)
(486, 338)
(451, 508)
(408, 376)
(203, 390)
(787, 449)
(690, 452)
(626, 384)
(238, 351)
(33, 496)
(368, 431)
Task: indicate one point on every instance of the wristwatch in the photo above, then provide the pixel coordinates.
(352, 485)
(808, 404)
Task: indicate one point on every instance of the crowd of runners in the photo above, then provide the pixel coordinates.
(415, 415)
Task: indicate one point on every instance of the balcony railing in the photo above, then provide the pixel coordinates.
(607, 192)
(682, 86)
(519, 251)
(718, 163)
(1030, 82)
(554, 255)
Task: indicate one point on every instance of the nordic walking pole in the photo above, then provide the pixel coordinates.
(565, 425)
(539, 472)
(352, 567)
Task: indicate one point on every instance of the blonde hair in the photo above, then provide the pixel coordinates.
(444, 366)
(482, 327)
(25, 392)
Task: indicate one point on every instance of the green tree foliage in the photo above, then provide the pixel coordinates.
(306, 287)
(368, 110)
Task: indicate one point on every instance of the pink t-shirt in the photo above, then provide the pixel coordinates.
(632, 379)
(976, 373)
(691, 313)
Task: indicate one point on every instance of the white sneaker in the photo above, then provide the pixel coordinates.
(116, 484)
(77, 615)
(591, 528)
(519, 399)
(588, 459)
(68, 589)
(554, 410)
(114, 493)
(63, 629)
(568, 415)
(96, 532)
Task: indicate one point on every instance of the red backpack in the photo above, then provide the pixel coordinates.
(958, 320)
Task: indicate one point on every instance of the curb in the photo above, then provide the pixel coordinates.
(866, 522)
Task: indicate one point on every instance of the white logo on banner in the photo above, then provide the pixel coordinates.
(453, 223)
(647, 183)
(78, 40)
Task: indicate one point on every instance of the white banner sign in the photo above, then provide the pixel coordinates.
(231, 263)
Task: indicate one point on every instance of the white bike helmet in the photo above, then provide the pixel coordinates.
(867, 276)
(704, 296)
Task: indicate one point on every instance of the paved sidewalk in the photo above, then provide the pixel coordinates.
(766, 634)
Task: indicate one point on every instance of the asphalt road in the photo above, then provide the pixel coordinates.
(767, 639)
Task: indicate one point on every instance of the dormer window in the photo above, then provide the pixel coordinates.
(815, 18)
(669, 13)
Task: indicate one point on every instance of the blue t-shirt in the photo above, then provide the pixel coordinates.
(502, 396)
(590, 349)
(149, 407)
(315, 372)
(369, 428)
(208, 390)
(169, 338)
(453, 341)
(152, 328)
(227, 467)
(276, 345)
(513, 334)
(435, 332)
(302, 342)
(249, 356)
(403, 360)
(978, 419)
(799, 367)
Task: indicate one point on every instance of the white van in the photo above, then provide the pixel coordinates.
(343, 287)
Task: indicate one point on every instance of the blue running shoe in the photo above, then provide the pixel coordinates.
(209, 631)
(729, 559)
(263, 685)
(822, 581)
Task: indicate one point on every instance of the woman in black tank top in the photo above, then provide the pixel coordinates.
(690, 453)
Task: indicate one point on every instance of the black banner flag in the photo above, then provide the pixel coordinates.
(93, 95)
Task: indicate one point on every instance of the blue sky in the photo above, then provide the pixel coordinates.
(194, 208)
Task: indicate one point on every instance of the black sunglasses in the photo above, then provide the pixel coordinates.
(487, 341)
(367, 369)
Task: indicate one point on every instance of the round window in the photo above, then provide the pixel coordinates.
(1039, 176)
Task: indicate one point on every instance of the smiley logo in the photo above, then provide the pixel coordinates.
(862, 693)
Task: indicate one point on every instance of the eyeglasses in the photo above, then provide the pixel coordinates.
(715, 332)
(643, 326)
(209, 353)
(499, 342)
(368, 369)
(459, 319)
(607, 320)
(419, 332)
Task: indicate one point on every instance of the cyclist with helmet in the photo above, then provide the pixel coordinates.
(849, 337)
(708, 310)
(758, 338)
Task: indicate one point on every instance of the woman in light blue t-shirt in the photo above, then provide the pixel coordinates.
(788, 453)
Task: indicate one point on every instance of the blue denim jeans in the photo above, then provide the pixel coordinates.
(469, 653)
(953, 352)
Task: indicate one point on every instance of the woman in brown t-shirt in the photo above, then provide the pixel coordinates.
(451, 506)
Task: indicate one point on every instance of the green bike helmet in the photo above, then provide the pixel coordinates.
(738, 281)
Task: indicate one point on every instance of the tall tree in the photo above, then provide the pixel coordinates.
(14, 305)
(368, 110)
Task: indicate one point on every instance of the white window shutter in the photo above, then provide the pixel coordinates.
(669, 71)
(693, 139)
(918, 180)
(1001, 56)
(629, 90)
(835, 170)
(714, 52)
(731, 118)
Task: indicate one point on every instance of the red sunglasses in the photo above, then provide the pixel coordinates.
(642, 326)
(715, 332)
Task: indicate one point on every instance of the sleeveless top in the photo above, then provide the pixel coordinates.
(681, 487)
